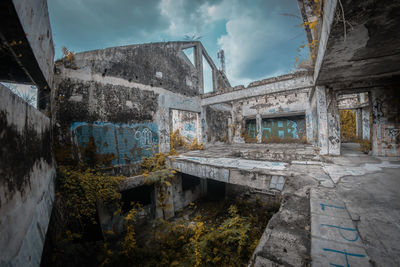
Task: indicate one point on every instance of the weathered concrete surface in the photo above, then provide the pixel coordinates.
(335, 239)
(286, 240)
(275, 85)
(386, 122)
(255, 174)
(352, 101)
(365, 198)
(27, 53)
(284, 115)
(322, 119)
(353, 45)
(333, 123)
(27, 181)
(218, 125)
(84, 94)
(187, 123)
(269, 152)
(356, 225)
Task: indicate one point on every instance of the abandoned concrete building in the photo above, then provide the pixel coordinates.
(279, 137)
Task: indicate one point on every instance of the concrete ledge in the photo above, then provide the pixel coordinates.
(275, 87)
(255, 174)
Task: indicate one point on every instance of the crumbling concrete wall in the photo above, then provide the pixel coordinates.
(385, 122)
(183, 190)
(27, 181)
(187, 123)
(123, 97)
(218, 122)
(155, 64)
(283, 115)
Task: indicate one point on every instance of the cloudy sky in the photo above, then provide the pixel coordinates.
(260, 37)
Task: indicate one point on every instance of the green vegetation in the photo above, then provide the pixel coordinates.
(347, 125)
(213, 233)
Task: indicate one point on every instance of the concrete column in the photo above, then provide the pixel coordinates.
(365, 123)
(203, 186)
(309, 125)
(169, 210)
(198, 61)
(322, 120)
(333, 123)
(204, 127)
(162, 116)
(230, 130)
(359, 123)
(215, 79)
(258, 127)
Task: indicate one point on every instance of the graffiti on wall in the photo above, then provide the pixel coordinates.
(282, 128)
(287, 127)
(128, 142)
(251, 128)
(186, 122)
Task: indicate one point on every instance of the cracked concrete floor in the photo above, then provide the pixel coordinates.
(368, 189)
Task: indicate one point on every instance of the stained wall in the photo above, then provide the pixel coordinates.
(27, 175)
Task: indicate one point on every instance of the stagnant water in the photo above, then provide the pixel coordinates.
(208, 232)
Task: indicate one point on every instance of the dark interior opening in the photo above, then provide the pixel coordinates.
(189, 182)
(215, 189)
(141, 194)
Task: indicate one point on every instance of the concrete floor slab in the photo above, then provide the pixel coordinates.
(236, 163)
(336, 229)
(334, 208)
(329, 253)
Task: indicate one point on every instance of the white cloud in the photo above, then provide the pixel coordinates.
(184, 18)
(255, 33)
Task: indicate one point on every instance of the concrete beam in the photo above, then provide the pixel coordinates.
(274, 87)
(252, 173)
(27, 52)
(329, 14)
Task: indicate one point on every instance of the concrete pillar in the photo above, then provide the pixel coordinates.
(333, 123)
(258, 127)
(198, 61)
(203, 187)
(309, 125)
(204, 127)
(230, 130)
(359, 124)
(322, 120)
(385, 118)
(169, 209)
(365, 123)
(162, 116)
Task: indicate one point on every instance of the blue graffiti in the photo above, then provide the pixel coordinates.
(128, 142)
(345, 254)
(345, 229)
(190, 127)
(331, 206)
